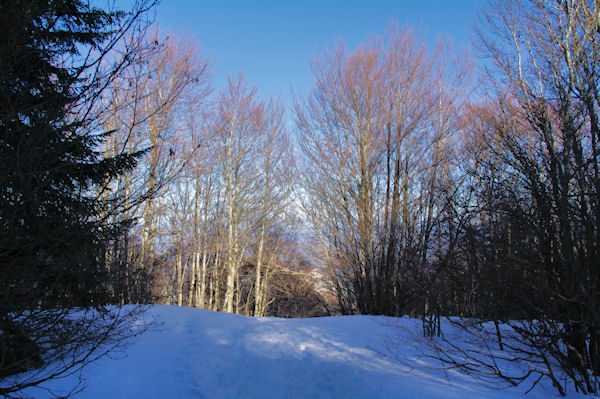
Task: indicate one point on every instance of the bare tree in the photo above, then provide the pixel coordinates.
(532, 234)
(275, 172)
(150, 113)
(373, 133)
(237, 126)
(179, 76)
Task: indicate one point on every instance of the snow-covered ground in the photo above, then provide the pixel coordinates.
(204, 354)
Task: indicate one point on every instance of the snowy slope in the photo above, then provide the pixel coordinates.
(203, 354)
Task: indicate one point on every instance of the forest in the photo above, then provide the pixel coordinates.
(410, 181)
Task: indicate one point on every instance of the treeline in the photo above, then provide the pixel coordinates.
(215, 227)
(409, 185)
(431, 198)
(378, 135)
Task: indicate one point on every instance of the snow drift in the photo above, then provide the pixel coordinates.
(202, 354)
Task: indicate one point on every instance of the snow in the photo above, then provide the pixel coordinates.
(202, 354)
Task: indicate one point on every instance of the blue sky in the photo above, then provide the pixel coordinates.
(272, 41)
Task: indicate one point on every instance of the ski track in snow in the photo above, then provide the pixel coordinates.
(204, 354)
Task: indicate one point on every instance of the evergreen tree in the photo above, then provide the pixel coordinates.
(53, 227)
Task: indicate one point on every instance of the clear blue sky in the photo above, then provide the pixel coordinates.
(272, 41)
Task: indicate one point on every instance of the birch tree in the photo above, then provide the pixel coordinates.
(237, 126)
(275, 164)
(372, 132)
(177, 70)
(148, 113)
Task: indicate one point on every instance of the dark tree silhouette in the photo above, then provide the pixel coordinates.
(530, 243)
(53, 223)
